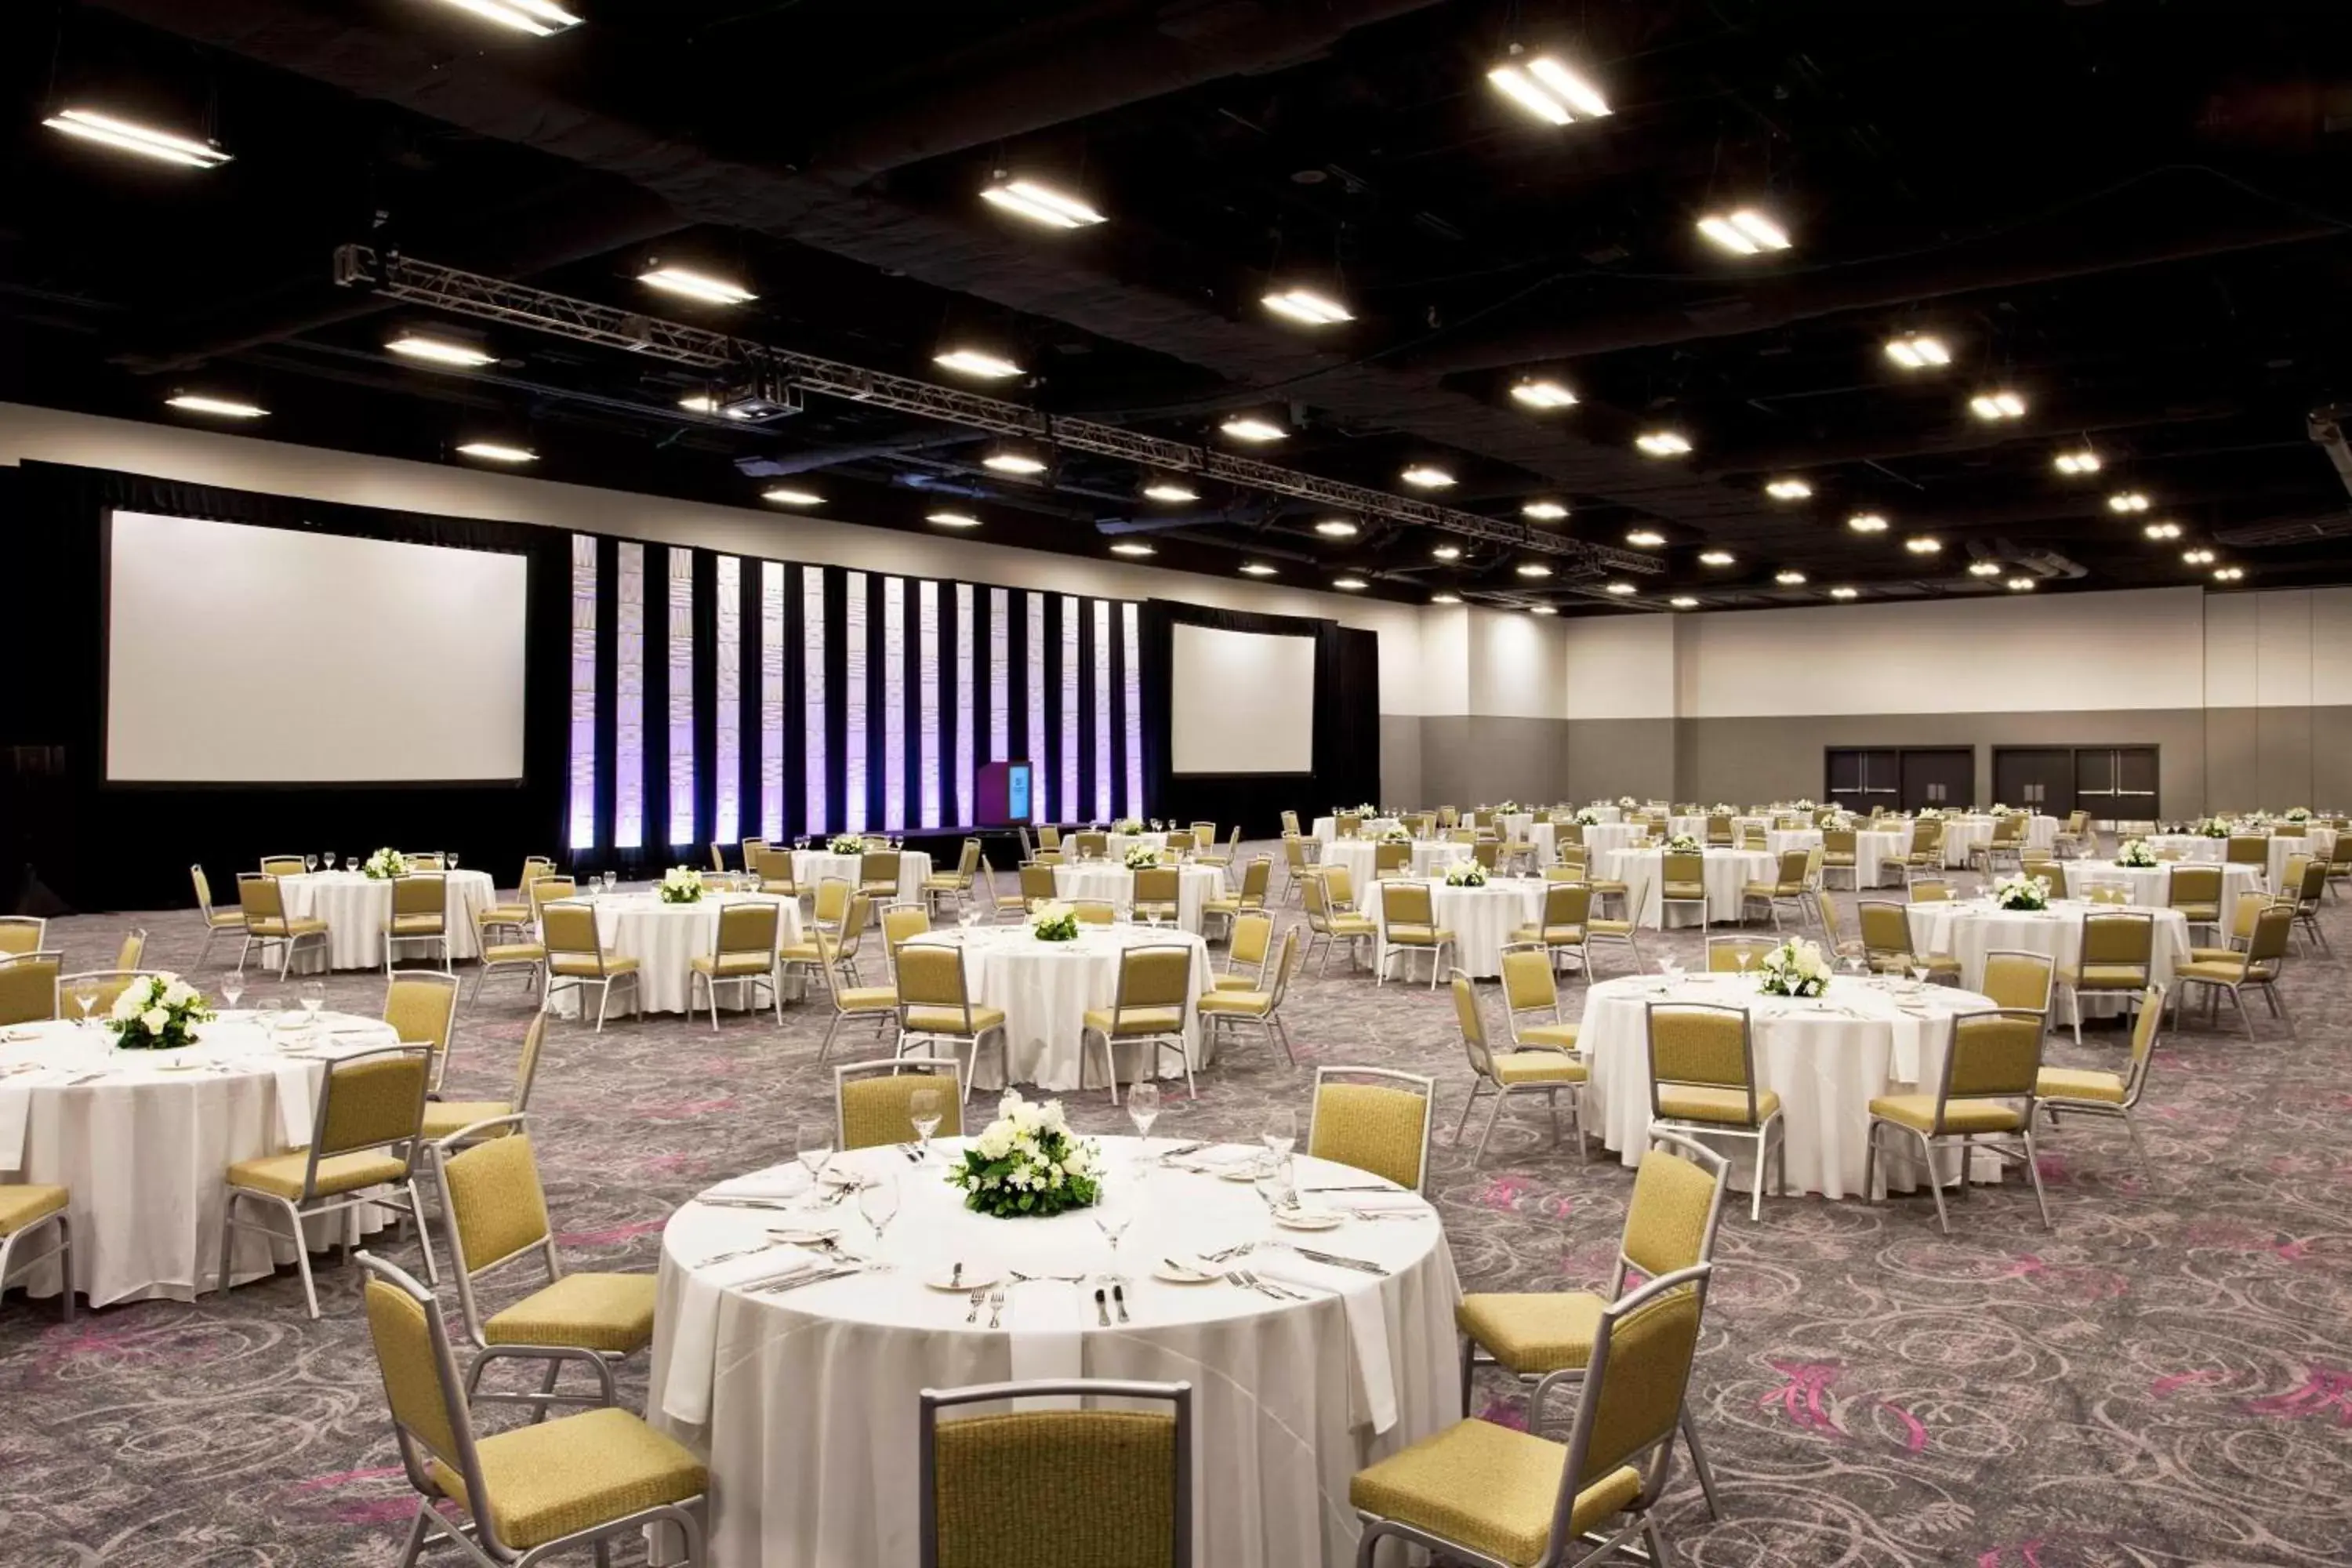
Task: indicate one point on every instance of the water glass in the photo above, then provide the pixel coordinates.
(924, 1107)
(314, 997)
(1143, 1107)
(232, 987)
(452, 861)
(1281, 1133)
(1112, 1217)
(813, 1141)
(610, 878)
(85, 995)
(878, 1200)
(329, 858)
(309, 863)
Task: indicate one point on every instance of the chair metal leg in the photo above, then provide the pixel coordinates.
(424, 1237)
(417, 1528)
(2033, 1171)
(1704, 1471)
(1936, 1179)
(1493, 1115)
(1468, 1100)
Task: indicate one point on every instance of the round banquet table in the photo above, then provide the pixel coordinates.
(1725, 872)
(1779, 840)
(1605, 812)
(1047, 989)
(2319, 841)
(2152, 885)
(1119, 844)
(1605, 838)
(1481, 919)
(1872, 848)
(144, 1139)
(1429, 858)
(1107, 881)
(803, 1402)
(357, 907)
(810, 867)
(1827, 1057)
(665, 939)
(1967, 929)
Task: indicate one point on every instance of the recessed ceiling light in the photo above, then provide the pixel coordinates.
(1715, 558)
(1013, 463)
(2021, 584)
(1257, 569)
(1866, 523)
(2127, 501)
(1544, 510)
(1040, 203)
(786, 495)
(2082, 460)
(1249, 427)
(2196, 557)
(1788, 579)
(694, 285)
(1447, 552)
(1918, 350)
(2228, 573)
(1621, 590)
(2162, 531)
(1788, 489)
(2000, 404)
(226, 407)
(1338, 528)
(1923, 544)
(1169, 490)
(440, 351)
(1662, 443)
(130, 136)
(953, 520)
(1984, 568)
(1445, 598)
(1127, 547)
(977, 362)
(1683, 601)
(499, 452)
(1745, 231)
(1543, 392)
(1542, 610)
(1550, 91)
(1350, 584)
(1427, 477)
(1842, 593)
(1534, 569)
(1308, 308)
(537, 18)
(1646, 538)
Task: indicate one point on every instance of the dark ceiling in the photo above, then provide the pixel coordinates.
(2127, 213)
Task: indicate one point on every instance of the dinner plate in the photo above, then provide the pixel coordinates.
(1183, 1270)
(975, 1277)
(1309, 1219)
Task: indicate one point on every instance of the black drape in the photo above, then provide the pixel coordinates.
(101, 845)
(1347, 752)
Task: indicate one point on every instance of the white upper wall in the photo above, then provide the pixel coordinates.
(1515, 668)
(239, 462)
(2285, 648)
(1620, 667)
(1444, 660)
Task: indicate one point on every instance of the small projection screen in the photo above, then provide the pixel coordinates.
(1241, 703)
(245, 655)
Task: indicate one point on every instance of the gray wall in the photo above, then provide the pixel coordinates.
(1469, 759)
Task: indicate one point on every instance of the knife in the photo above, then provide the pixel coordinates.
(1362, 1265)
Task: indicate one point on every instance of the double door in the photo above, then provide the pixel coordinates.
(1901, 778)
(2114, 783)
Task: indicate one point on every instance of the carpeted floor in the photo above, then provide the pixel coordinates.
(2165, 1379)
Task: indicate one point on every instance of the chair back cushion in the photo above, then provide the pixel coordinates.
(1372, 1128)
(1093, 1487)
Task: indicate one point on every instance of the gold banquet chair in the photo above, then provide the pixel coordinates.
(1105, 1486)
(1257, 877)
(1724, 952)
(878, 871)
(1409, 925)
(2019, 982)
(364, 1134)
(1787, 888)
(529, 1494)
(2255, 969)
(873, 1102)
(576, 959)
(1155, 983)
(444, 1118)
(521, 915)
(2196, 891)
(1544, 1337)
(2092, 1092)
(281, 865)
(773, 867)
(420, 914)
(1246, 952)
(1564, 927)
(1380, 1127)
(743, 954)
(935, 1009)
(21, 934)
(216, 921)
(1682, 879)
(27, 1211)
(29, 987)
(1229, 1008)
(1333, 929)
(1993, 1067)
(1539, 1069)
(521, 950)
(956, 884)
(1157, 891)
(1479, 1492)
(1037, 884)
(1702, 1085)
(104, 987)
(421, 1008)
(2117, 956)
(263, 902)
(494, 1213)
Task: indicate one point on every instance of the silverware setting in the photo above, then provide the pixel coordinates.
(1337, 1260)
(996, 1308)
(914, 1155)
(1119, 1299)
(979, 1299)
(1102, 1307)
(1270, 1289)
(718, 1258)
(794, 1283)
(1021, 1279)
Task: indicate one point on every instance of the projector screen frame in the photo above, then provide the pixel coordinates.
(1176, 707)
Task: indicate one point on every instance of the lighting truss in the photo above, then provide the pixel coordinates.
(461, 293)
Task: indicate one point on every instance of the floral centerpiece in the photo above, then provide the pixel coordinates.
(1368, 809)
(1142, 857)
(681, 885)
(1683, 843)
(1795, 968)
(157, 1013)
(2136, 852)
(1027, 1164)
(1802, 803)
(846, 843)
(2212, 827)
(1466, 874)
(1588, 817)
(1720, 809)
(1055, 922)
(1627, 801)
(1999, 810)
(384, 864)
(2022, 893)
(1508, 808)
(1930, 814)
(1837, 821)
(1396, 834)
(1128, 824)
(2299, 813)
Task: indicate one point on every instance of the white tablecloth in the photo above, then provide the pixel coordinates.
(1827, 1058)
(1481, 919)
(146, 1148)
(2151, 885)
(1872, 850)
(804, 1402)
(1327, 828)
(665, 939)
(1726, 871)
(1107, 881)
(1605, 838)
(1967, 929)
(1047, 988)
(1117, 844)
(2319, 841)
(356, 907)
(810, 867)
(1606, 813)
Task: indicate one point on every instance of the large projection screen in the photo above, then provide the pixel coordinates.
(1241, 703)
(245, 655)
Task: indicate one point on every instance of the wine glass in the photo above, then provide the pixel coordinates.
(878, 1200)
(329, 858)
(309, 864)
(1919, 975)
(924, 1107)
(1280, 1135)
(611, 878)
(813, 1141)
(85, 995)
(1112, 1217)
(1740, 954)
(313, 997)
(452, 860)
(232, 987)
(1143, 1109)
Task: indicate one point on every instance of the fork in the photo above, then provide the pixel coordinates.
(996, 1308)
(978, 1299)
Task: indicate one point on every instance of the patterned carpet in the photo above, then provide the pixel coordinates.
(2165, 1379)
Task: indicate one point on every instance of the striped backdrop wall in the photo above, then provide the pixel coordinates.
(721, 697)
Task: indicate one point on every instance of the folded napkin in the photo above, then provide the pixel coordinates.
(694, 1341)
(1371, 1393)
(1399, 1202)
(16, 1111)
(777, 1182)
(1224, 1156)
(1047, 1323)
(293, 1080)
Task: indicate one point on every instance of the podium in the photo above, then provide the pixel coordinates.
(1001, 795)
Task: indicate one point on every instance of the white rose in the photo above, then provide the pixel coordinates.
(157, 1019)
(179, 994)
